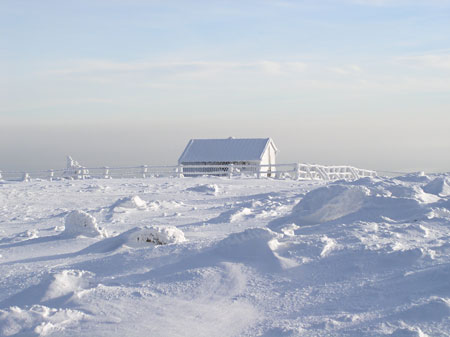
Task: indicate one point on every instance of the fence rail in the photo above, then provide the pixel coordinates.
(295, 171)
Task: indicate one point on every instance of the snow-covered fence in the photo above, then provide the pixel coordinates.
(294, 171)
(320, 172)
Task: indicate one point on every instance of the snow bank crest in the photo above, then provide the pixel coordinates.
(439, 186)
(289, 230)
(330, 203)
(132, 202)
(82, 223)
(256, 246)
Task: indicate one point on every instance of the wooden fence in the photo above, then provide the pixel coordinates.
(279, 171)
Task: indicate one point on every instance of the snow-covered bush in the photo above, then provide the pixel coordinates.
(82, 223)
(156, 235)
(204, 188)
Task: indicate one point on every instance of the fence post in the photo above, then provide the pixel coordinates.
(51, 174)
(230, 170)
(259, 171)
(308, 170)
(79, 174)
(26, 177)
(180, 171)
(144, 171)
(106, 172)
(1, 175)
(297, 171)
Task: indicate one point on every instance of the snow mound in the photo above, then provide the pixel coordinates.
(132, 202)
(251, 235)
(164, 204)
(439, 186)
(330, 203)
(415, 177)
(204, 188)
(403, 330)
(30, 234)
(255, 246)
(38, 320)
(240, 214)
(156, 235)
(363, 200)
(138, 237)
(82, 223)
(54, 289)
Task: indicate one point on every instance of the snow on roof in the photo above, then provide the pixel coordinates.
(225, 150)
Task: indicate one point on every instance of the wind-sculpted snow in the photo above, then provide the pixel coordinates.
(133, 202)
(55, 289)
(368, 199)
(254, 246)
(261, 258)
(439, 186)
(38, 320)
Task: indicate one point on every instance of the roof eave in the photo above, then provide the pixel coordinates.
(180, 160)
(269, 142)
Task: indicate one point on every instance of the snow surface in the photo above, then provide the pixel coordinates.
(261, 258)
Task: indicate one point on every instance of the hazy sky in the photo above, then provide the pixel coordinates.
(129, 82)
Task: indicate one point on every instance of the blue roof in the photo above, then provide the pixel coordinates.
(224, 150)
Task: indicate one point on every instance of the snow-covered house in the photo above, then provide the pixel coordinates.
(247, 154)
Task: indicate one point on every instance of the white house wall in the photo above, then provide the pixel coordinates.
(273, 154)
(268, 158)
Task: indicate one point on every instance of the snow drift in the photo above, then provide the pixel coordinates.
(38, 320)
(439, 186)
(254, 246)
(367, 199)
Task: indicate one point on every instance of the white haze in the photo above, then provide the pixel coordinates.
(399, 145)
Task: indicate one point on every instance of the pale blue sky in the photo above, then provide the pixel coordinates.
(362, 82)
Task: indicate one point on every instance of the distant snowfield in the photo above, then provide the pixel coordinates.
(225, 257)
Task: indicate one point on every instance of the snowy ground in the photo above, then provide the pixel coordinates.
(251, 257)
